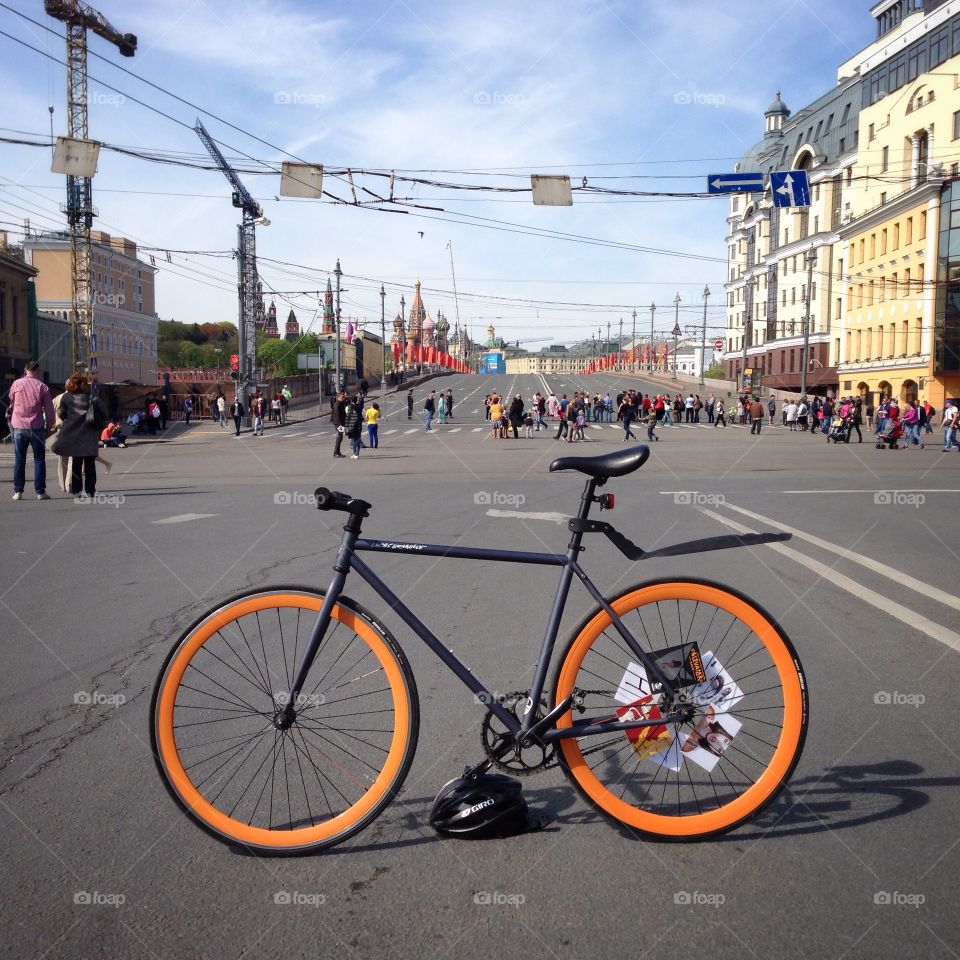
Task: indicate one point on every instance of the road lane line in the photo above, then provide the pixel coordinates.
(831, 575)
(902, 579)
(455, 430)
(476, 429)
(187, 517)
(412, 430)
(529, 515)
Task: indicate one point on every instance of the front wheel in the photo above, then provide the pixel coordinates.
(284, 790)
(743, 684)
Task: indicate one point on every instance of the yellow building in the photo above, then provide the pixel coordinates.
(909, 135)
(15, 277)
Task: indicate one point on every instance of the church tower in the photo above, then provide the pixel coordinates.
(329, 320)
(418, 317)
(270, 324)
(292, 330)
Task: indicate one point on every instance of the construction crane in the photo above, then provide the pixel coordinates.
(250, 292)
(79, 18)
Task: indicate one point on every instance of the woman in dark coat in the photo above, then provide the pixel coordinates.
(516, 415)
(79, 437)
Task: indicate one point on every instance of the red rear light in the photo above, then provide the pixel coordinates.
(610, 501)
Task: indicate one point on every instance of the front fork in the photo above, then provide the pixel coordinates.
(286, 715)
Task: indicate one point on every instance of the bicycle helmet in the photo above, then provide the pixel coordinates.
(491, 805)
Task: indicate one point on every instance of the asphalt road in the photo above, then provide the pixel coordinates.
(859, 857)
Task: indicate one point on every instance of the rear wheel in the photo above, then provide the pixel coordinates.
(749, 712)
(325, 777)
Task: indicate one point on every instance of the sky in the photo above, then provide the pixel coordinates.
(636, 95)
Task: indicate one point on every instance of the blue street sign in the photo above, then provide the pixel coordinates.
(735, 183)
(790, 188)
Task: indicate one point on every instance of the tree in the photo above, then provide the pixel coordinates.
(714, 371)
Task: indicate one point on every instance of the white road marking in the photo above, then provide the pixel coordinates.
(892, 486)
(529, 515)
(187, 517)
(476, 429)
(387, 433)
(320, 434)
(413, 430)
(300, 433)
(898, 577)
(893, 608)
(455, 430)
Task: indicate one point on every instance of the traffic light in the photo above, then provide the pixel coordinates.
(234, 367)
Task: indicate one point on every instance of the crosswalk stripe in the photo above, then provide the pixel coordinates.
(455, 430)
(388, 432)
(291, 435)
(476, 429)
(414, 430)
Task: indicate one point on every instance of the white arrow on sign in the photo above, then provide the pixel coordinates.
(719, 183)
(787, 189)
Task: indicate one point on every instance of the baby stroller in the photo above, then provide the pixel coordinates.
(891, 435)
(838, 430)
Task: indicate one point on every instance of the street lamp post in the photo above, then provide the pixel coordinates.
(217, 351)
(653, 310)
(676, 330)
(703, 339)
(403, 331)
(383, 337)
(338, 273)
(620, 346)
(811, 258)
(633, 348)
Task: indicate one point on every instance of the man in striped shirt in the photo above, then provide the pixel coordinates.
(31, 419)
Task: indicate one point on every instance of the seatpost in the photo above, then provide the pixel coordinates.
(586, 499)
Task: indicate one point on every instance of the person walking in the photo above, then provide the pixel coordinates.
(187, 409)
(756, 416)
(83, 416)
(30, 416)
(373, 425)
(163, 405)
(237, 413)
(772, 408)
(448, 403)
(721, 415)
(429, 408)
(652, 425)
(855, 419)
(562, 426)
(625, 413)
(286, 395)
(353, 427)
(222, 410)
(950, 424)
(337, 413)
(409, 404)
(257, 409)
(688, 409)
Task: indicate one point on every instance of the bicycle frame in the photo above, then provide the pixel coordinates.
(530, 727)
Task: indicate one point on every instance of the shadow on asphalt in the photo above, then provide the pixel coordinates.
(843, 797)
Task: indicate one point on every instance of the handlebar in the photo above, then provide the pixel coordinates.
(334, 500)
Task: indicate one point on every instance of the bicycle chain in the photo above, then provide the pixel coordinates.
(551, 758)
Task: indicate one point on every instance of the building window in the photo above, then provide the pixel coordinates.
(883, 241)
(896, 235)
(870, 294)
(885, 160)
(922, 235)
(908, 238)
(956, 125)
(16, 314)
(871, 133)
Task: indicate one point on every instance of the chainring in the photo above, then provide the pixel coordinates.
(522, 761)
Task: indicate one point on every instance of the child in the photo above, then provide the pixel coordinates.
(581, 419)
(652, 424)
(528, 424)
